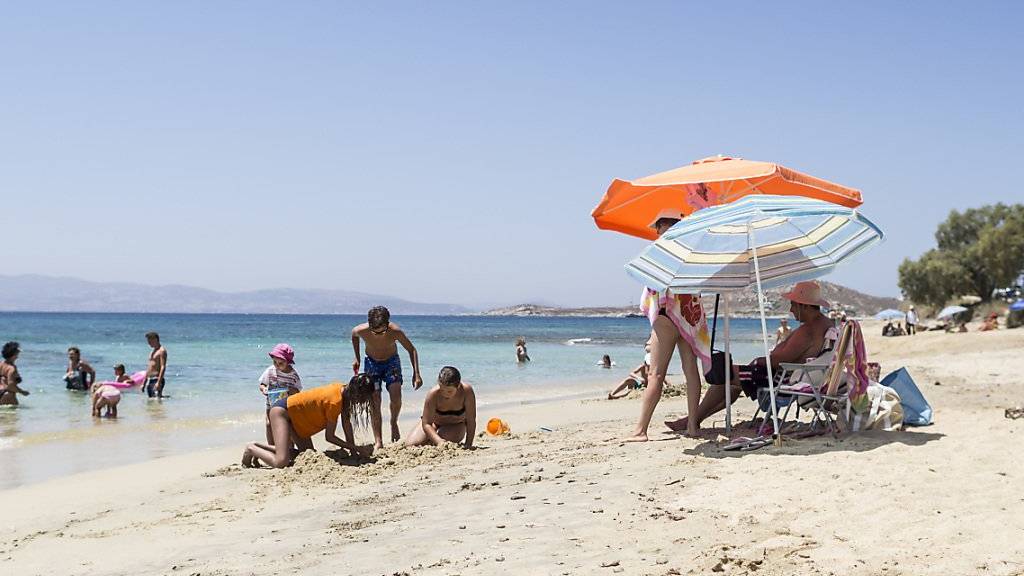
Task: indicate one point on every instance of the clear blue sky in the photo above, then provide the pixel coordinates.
(452, 152)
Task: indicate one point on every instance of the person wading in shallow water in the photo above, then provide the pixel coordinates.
(9, 377)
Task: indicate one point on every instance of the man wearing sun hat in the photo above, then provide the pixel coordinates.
(807, 341)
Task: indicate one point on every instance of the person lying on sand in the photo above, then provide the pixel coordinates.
(296, 418)
(449, 413)
(807, 341)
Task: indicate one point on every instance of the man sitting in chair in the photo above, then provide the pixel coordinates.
(807, 341)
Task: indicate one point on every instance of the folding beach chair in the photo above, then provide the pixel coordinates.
(817, 385)
(813, 371)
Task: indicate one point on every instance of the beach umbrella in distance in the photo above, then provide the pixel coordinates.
(890, 314)
(760, 241)
(630, 206)
(950, 311)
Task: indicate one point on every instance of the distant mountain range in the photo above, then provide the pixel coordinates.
(32, 293)
(742, 304)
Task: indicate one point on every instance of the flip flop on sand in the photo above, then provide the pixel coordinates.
(739, 442)
(755, 444)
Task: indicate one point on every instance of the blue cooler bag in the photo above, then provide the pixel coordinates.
(916, 410)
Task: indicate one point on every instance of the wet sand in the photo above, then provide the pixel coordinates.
(945, 499)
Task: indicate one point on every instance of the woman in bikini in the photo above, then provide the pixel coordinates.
(449, 413)
(9, 377)
(296, 418)
(677, 322)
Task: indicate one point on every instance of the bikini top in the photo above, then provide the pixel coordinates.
(458, 412)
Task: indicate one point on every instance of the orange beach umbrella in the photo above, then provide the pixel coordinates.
(631, 206)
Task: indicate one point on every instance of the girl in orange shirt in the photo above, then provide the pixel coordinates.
(298, 417)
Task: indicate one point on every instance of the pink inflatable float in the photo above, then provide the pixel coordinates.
(136, 380)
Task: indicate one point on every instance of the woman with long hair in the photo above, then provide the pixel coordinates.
(295, 419)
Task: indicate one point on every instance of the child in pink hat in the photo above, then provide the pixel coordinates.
(279, 381)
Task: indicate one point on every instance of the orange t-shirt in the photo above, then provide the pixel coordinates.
(311, 410)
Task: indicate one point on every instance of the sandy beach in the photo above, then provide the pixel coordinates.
(944, 499)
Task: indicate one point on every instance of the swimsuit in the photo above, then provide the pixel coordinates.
(76, 381)
(109, 392)
(151, 385)
(387, 371)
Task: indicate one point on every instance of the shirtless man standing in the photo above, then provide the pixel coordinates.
(384, 366)
(80, 375)
(807, 341)
(156, 368)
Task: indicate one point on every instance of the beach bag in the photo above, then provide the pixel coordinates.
(884, 411)
(916, 410)
(716, 375)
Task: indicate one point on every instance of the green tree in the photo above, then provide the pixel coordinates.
(978, 251)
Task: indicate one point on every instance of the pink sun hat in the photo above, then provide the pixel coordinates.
(283, 352)
(808, 292)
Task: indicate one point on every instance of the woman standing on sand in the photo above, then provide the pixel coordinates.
(296, 418)
(9, 377)
(677, 322)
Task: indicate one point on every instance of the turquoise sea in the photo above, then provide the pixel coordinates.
(215, 360)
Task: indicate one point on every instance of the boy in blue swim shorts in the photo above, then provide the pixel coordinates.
(383, 366)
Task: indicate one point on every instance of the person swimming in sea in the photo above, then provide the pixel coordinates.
(449, 413)
(521, 354)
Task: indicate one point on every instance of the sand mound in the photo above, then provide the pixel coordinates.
(314, 469)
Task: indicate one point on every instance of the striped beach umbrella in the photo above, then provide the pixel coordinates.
(789, 239)
(760, 241)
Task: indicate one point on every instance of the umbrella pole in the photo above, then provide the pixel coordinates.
(764, 335)
(728, 372)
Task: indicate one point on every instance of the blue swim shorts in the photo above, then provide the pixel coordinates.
(386, 372)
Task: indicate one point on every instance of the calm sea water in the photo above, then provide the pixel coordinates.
(215, 360)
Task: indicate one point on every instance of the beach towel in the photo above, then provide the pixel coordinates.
(857, 371)
(916, 410)
(687, 314)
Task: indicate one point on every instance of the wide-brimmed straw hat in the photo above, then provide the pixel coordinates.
(673, 213)
(283, 352)
(808, 292)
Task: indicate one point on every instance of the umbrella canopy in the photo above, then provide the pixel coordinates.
(1018, 305)
(890, 314)
(713, 250)
(631, 206)
(755, 241)
(950, 311)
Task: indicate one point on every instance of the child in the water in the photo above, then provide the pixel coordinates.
(105, 396)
